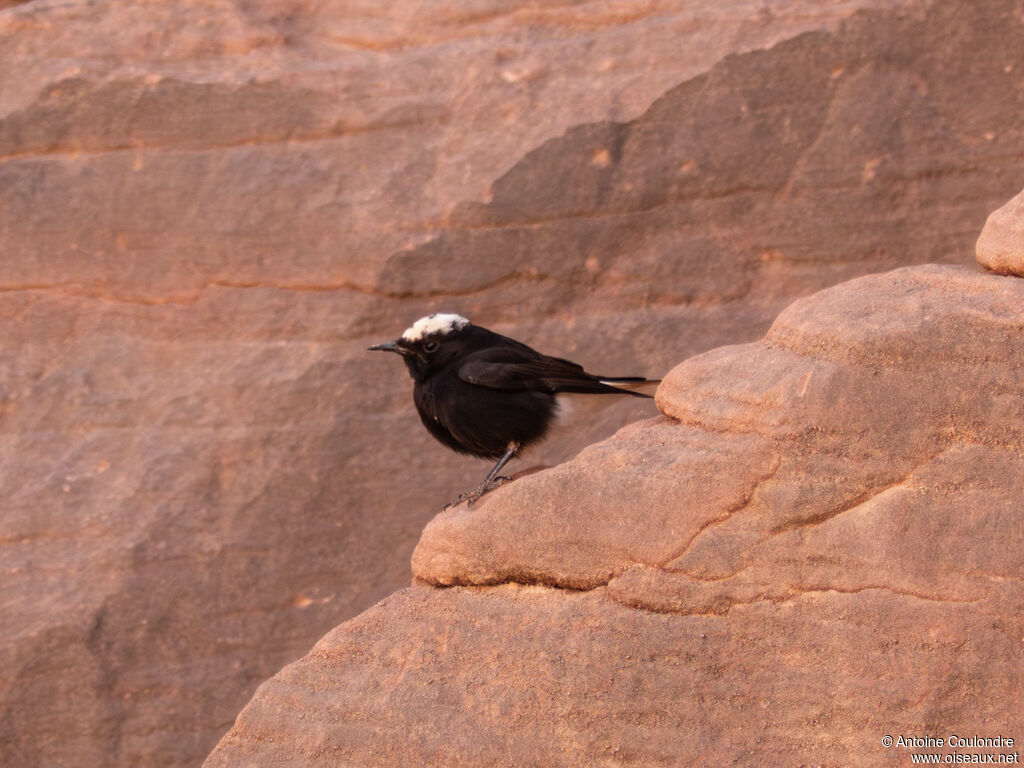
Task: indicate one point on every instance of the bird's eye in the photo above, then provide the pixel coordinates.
(431, 346)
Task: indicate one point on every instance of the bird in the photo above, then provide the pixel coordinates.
(487, 395)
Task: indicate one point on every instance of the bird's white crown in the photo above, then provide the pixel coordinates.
(438, 322)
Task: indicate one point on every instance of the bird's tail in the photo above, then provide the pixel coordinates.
(627, 380)
(627, 384)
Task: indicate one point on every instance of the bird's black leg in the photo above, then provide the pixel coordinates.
(492, 481)
(512, 448)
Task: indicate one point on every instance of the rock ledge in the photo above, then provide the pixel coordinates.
(817, 544)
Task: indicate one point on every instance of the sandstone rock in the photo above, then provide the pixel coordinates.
(817, 545)
(531, 676)
(209, 211)
(281, 144)
(834, 412)
(1001, 245)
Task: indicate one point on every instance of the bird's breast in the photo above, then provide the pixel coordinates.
(481, 420)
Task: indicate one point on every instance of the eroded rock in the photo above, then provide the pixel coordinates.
(818, 544)
(1000, 247)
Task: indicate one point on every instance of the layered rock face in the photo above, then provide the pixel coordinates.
(817, 545)
(208, 213)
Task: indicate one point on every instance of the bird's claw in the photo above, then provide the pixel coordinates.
(471, 497)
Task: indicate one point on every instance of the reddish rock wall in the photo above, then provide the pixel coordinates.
(207, 213)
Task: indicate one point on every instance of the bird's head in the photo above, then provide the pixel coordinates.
(429, 343)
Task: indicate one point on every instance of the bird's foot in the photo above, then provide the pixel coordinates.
(471, 497)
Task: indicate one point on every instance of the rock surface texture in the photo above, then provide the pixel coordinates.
(1001, 245)
(207, 211)
(813, 547)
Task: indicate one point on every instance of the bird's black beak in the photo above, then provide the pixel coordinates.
(387, 346)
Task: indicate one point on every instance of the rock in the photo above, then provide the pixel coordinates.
(1000, 247)
(209, 212)
(840, 390)
(517, 675)
(252, 141)
(816, 545)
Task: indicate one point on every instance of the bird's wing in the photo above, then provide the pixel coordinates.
(515, 370)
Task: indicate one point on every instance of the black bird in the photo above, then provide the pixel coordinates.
(487, 395)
